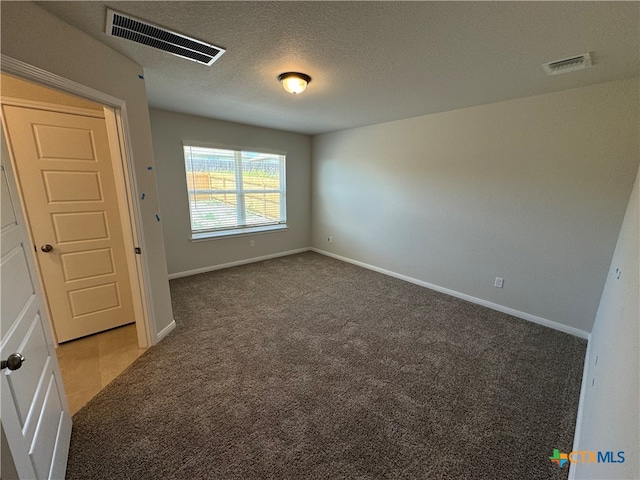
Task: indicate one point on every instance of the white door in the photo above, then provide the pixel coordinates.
(34, 411)
(65, 172)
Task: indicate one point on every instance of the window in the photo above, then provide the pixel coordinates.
(233, 192)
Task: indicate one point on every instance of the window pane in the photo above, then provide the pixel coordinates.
(210, 212)
(221, 180)
(260, 171)
(262, 207)
(261, 175)
(233, 189)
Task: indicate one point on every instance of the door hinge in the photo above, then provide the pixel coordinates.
(138, 250)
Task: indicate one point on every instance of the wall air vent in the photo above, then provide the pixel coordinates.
(566, 65)
(139, 31)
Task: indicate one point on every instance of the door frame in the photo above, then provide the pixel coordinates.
(122, 155)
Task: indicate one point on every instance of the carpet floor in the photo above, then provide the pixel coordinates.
(305, 367)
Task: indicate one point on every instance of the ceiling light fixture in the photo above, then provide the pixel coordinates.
(294, 82)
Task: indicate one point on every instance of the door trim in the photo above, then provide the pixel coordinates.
(124, 187)
(116, 110)
(50, 107)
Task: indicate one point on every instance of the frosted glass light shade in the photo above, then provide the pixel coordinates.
(294, 82)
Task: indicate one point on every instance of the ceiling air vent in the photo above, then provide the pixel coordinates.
(139, 31)
(566, 65)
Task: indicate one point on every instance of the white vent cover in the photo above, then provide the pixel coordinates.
(566, 65)
(139, 31)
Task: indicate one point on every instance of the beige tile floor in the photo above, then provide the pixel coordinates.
(90, 363)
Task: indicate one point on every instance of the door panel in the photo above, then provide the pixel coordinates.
(19, 289)
(72, 186)
(94, 299)
(48, 424)
(87, 264)
(34, 412)
(66, 175)
(78, 227)
(7, 218)
(64, 143)
(23, 387)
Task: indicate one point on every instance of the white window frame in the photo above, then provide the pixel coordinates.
(241, 230)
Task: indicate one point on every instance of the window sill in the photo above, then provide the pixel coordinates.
(202, 237)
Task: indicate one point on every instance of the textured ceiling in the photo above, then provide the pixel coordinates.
(370, 62)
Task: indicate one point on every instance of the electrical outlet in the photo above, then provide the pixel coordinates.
(330, 239)
(499, 282)
(252, 243)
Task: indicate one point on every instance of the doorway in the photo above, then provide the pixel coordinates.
(79, 282)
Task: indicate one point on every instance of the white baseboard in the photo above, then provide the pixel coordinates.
(237, 263)
(494, 306)
(583, 390)
(165, 331)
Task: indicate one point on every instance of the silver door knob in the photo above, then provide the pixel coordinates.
(14, 362)
(46, 248)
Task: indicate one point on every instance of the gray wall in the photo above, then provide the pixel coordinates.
(611, 408)
(169, 131)
(63, 50)
(533, 190)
